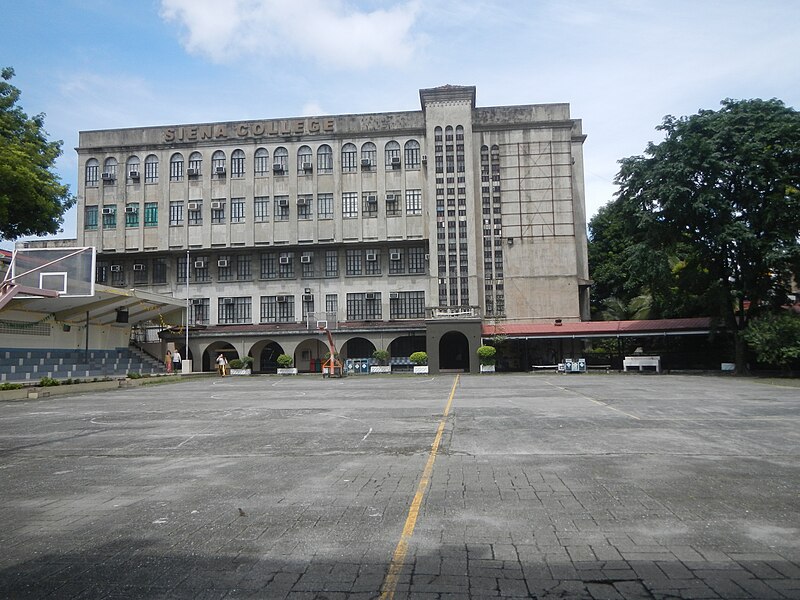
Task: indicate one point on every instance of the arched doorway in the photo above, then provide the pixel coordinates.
(310, 355)
(454, 352)
(405, 346)
(268, 361)
(357, 347)
(214, 350)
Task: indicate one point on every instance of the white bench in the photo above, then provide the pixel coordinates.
(642, 362)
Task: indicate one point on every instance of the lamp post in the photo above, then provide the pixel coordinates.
(186, 330)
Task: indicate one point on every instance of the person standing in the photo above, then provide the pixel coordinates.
(221, 363)
(176, 361)
(168, 361)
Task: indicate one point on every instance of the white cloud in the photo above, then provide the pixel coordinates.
(332, 33)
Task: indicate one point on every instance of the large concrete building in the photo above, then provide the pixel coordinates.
(402, 231)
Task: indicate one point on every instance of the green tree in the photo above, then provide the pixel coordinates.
(618, 310)
(721, 193)
(32, 199)
(775, 338)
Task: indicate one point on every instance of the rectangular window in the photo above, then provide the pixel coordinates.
(117, 276)
(277, 309)
(199, 269)
(269, 268)
(92, 174)
(281, 208)
(224, 267)
(132, 214)
(237, 165)
(196, 163)
(160, 270)
(261, 163)
(217, 212)
(286, 266)
(261, 209)
(350, 160)
(413, 202)
(176, 170)
(90, 217)
(234, 310)
(397, 261)
(140, 274)
(194, 214)
(109, 216)
(370, 205)
(307, 265)
(331, 263)
(199, 309)
(175, 213)
(150, 214)
(331, 303)
(350, 205)
(412, 156)
(243, 268)
(372, 262)
(325, 206)
(353, 262)
(237, 210)
(364, 307)
(393, 206)
(407, 305)
(417, 260)
(305, 203)
(150, 171)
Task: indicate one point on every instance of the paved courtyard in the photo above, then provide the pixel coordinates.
(493, 486)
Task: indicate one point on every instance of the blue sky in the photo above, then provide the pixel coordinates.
(621, 64)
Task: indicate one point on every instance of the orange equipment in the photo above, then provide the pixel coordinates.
(332, 367)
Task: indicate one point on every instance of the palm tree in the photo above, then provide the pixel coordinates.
(618, 310)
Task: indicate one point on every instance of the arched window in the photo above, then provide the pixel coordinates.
(132, 168)
(448, 133)
(324, 159)
(369, 152)
(349, 158)
(412, 155)
(195, 165)
(392, 152)
(459, 133)
(110, 170)
(237, 164)
(151, 169)
(305, 160)
(261, 162)
(176, 167)
(218, 164)
(281, 165)
(92, 171)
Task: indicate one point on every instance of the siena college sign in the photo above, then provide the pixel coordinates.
(257, 129)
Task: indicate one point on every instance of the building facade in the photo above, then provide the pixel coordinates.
(394, 229)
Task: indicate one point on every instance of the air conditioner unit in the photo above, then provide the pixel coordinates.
(226, 300)
(108, 176)
(138, 267)
(366, 163)
(281, 299)
(133, 175)
(282, 202)
(391, 198)
(192, 172)
(199, 264)
(116, 268)
(108, 211)
(222, 263)
(305, 259)
(302, 201)
(424, 158)
(307, 166)
(277, 167)
(308, 297)
(284, 260)
(194, 205)
(372, 199)
(131, 209)
(393, 295)
(395, 161)
(394, 256)
(370, 296)
(372, 257)
(219, 170)
(217, 205)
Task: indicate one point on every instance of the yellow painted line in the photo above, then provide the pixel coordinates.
(622, 412)
(399, 556)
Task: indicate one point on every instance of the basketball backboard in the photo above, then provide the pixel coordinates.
(68, 271)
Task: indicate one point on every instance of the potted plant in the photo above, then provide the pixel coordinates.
(380, 357)
(487, 359)
(241, 366)
(420, 360)
(285, 367)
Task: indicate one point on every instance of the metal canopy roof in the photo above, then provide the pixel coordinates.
(102, 307)
(597, 329)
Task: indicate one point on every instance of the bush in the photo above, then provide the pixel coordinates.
(48, 382)
(285, 361)
(235, 364)
(134, 375)
(247, 362)
(10, 386)
(486, 355)
(381, 356)
(419, 358)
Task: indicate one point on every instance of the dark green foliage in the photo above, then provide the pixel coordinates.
(381, 356)
(285, 361)
(486, 355)
(48, 382)
(775, 338)
(32, 199)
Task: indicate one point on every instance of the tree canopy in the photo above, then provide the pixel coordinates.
(32, 198)
(709, 218)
